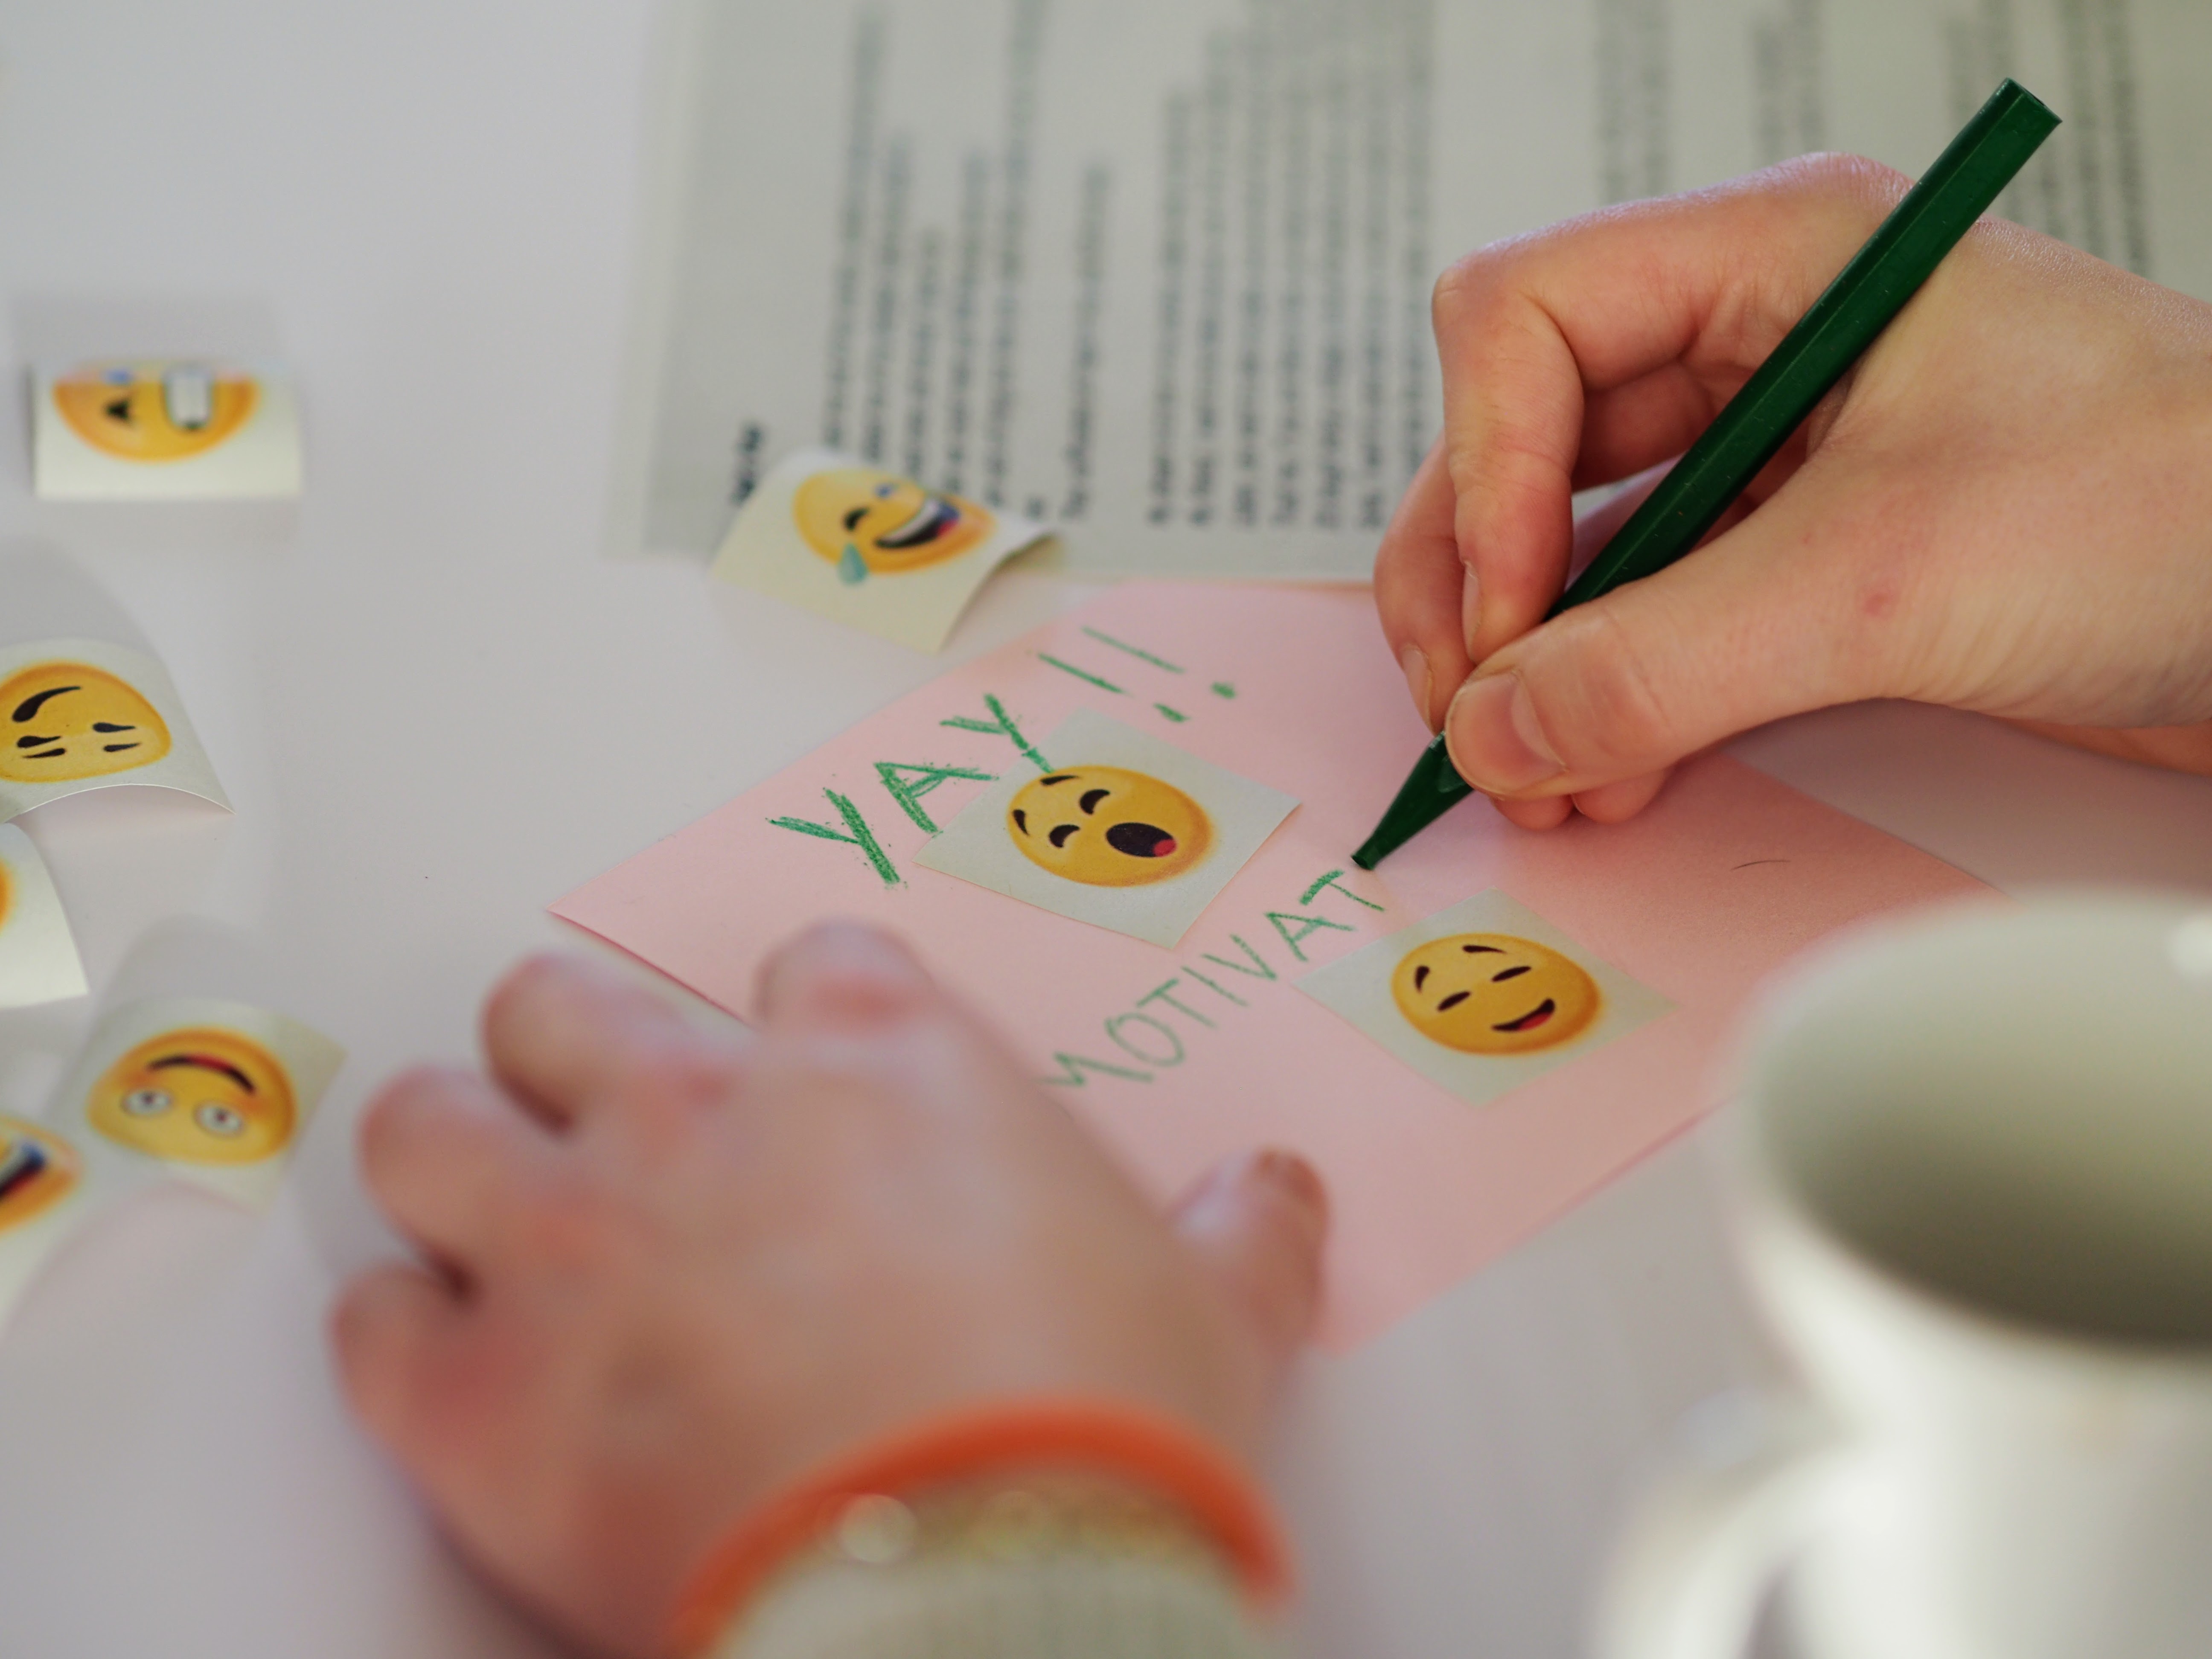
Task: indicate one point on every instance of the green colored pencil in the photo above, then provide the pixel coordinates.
(1888, 270)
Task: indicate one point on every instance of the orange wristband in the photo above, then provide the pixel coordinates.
(1124, 1442)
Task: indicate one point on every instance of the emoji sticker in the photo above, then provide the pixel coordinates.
(849, 541)
(1106, 826)
(155, 412)
(38, 1170)
(62, 721)
(1130, 832)
(199, 1095)
(875, 524)
(1491, 993)
(7, 895)
(1483, 996)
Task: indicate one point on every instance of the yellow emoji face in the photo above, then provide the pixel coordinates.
(1105, 827)
(199, 1096)
(869, 523)
(64, 721)
(1491, 993)
(155, 412)
(37, 1171)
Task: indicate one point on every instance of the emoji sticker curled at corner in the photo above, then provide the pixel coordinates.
(7, 895)
(155, 412)
(1493, 994)
(1106, 826)
(61, 721)
(870, 523)
(37, 1171)
(200, 1094)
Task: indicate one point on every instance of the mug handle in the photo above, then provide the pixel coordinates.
(1705, 1545)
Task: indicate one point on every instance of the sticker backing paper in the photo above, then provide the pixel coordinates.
(38, 961)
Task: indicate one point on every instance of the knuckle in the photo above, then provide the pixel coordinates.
(1846, 174)
(567, 1224)
(683, 1075)
(1613, 713)
(1467, 285)
(1841, 179)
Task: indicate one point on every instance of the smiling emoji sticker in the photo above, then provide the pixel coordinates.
(868, 523)
(62, 722)
(155, 412)
(1493, 994)
(1105, 826)
(199, 1095)
(38, 1170)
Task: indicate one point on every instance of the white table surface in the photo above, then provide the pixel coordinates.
(438, 706)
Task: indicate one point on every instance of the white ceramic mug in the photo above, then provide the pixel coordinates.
(1970, 1164)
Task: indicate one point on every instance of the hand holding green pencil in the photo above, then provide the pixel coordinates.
(1881, 276)
(2003, 508)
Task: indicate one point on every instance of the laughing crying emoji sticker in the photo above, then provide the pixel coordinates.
(38, 1170)
(200, 1094)
(154, 412)
(875, 523)
(62, 721)
(1491, 993)
(1108, 827)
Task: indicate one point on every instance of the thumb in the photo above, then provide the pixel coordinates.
(1757, 624)
(1258, 1222)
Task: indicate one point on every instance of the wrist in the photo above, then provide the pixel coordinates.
(1058, 1562)
(1020, 1480)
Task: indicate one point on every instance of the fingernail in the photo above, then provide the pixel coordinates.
(842, 964)
(1294, 1176)
(1492, 733)
(1419, 681)
(1470, 610)
(1286, 1172)
(856, 943)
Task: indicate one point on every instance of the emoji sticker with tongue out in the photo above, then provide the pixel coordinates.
(1493, 994)
(875, 524)
(1108, 827)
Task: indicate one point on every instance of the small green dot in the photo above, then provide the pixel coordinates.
(1177, 715)
(1223, 688)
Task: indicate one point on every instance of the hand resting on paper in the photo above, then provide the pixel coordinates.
(671, 1274)
(2005, 507)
